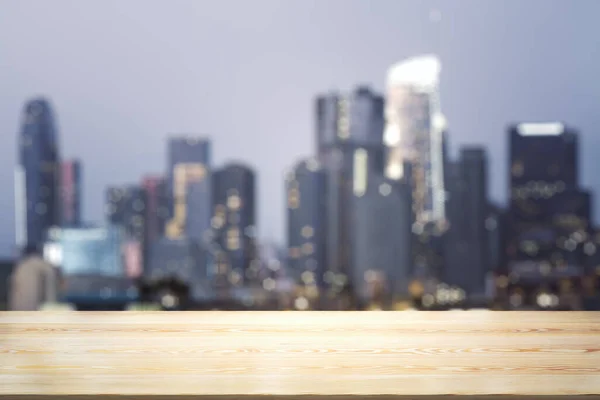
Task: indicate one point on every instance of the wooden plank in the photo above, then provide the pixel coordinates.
(293, 353)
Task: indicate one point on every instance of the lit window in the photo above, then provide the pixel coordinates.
(293, 199)
(235, 278)
(307, 277)
(312, 165)
(269, 284)
(233, 239)
(234, 202)
(307, 231)
(307, 249)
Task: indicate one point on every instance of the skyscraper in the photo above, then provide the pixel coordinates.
(37, 175)
(414, 137)
(467, 245)
(157, 207)
(126, 208)
(345, 123)
(306, 221)
(414, 133)
(549, 214)
(191, 202)
(70, 193)
(381, 251)
(190, 187)
(234, 222)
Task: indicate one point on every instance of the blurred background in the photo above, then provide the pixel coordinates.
(299, 155)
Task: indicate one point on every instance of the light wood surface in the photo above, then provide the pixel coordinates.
(296, 353)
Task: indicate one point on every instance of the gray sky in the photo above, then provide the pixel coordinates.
(122, 74)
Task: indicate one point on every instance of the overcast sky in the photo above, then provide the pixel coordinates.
(123, 74)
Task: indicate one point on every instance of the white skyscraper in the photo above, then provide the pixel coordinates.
(413, 134)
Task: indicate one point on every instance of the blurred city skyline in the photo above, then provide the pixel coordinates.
(122, 76)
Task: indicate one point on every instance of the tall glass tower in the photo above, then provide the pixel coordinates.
(37, 175)
(414, 134)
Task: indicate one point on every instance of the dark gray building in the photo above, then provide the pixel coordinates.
(37, 175)
(467, 259)
(549, 214)
(157, 207)
(381, 251)
(6, 269)
(183, 259)
(345, 123)
(306, 220)
(234, 223)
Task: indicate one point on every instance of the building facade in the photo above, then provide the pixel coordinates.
(71, 192)
(414, 133)
(234, 224)
(37, 175)
(87, 250)
(344, 124)
(549, 214)
(126, 208)
(382, 239)
(157, 207)
(182, 259)
(467, 255)
(306, 221)
(414, 137)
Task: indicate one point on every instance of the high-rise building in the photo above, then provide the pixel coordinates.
(306, 221)
(190, 188)
(234, 223)
(192, 202)
(70, 193)
(126, 208)
(345, 123)
(549, 214)
(467, 245)
(382, 237)
(414, 133)
(37, 175)
(414, 137)
(157, 207)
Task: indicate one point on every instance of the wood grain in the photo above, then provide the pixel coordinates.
(294, 353)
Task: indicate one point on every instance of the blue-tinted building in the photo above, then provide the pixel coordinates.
(382, 235)
(467, 247)
(345, 123)
(306, 220)
(549, 213)
(37, 175)
(87, 250)
(234, 222)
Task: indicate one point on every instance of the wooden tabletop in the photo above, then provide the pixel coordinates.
(300, 353)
